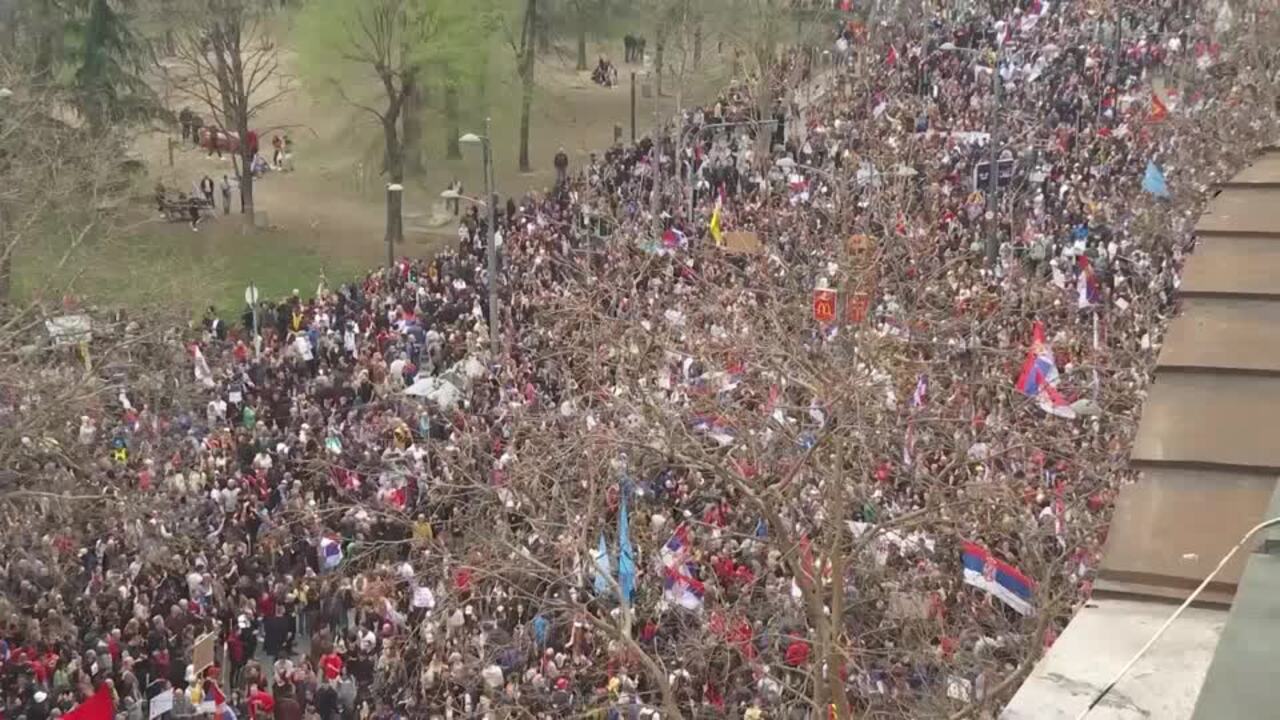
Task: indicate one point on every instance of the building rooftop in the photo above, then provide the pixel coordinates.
(1209, 465)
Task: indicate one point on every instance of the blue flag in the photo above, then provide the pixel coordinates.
(1153, 182)
(540, 628)
(626, 558)
(604, 568)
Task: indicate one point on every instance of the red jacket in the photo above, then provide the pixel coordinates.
(260, 700)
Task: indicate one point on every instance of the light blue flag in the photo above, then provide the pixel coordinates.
(540, 629)
(604, 568)
(1153, 182)
(626, 558)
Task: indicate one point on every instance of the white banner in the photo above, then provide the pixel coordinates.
(161, 704)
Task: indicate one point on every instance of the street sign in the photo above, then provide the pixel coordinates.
(824, 306)
(251, 295)
(982, 174)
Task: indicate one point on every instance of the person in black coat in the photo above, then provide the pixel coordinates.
(277, 634)
(327, 702)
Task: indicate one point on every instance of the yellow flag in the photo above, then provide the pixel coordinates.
(714, 227)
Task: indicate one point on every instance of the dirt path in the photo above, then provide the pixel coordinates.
(333, 202)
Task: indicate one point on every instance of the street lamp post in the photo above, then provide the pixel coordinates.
(491, 199)
(993, 240)
(392, 189)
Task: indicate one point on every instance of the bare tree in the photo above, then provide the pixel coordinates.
(526, 54)
(55, 182)
(394, 39)
(230, 65)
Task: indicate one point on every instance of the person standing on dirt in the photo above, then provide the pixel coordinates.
(215, 141)
(277, 151)
(184, 119)
(226, 195)
(455, 203)
(197, 123)
(562, 166)
(206, 189)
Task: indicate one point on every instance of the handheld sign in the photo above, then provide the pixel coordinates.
(824, 306)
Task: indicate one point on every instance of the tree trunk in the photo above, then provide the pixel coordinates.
(657, 64)
(48, 42)
(582, 46)
(395, 176)
(452, 129)
(411, 122)
(246, 185)
(697, 44)
(526, 76)
(544, 35)
(6, 264)
(764, 97)
(8, 27)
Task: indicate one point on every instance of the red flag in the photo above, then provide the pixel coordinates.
(98, 707)
(1159, 111)
(892, 58)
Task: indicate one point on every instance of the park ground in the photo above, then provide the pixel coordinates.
(326, 218)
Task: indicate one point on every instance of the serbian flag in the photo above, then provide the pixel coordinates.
(987, 572)
(676, 551)
(98, 707)
(1039, 377)
(681, 588)
(1088, 291)
(330, 553)
(1159, 111)
(215, 703)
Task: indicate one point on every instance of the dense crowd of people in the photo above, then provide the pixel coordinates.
(672, 491)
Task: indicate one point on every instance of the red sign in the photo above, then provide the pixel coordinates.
(856, 312)
(824, 306)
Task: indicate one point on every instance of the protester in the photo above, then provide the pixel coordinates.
(226, 195)
(206, 189)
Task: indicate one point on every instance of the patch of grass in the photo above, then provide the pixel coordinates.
(174, 268)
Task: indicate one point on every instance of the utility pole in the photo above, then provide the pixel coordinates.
(492, 197)
(993, 202)
(633, 107)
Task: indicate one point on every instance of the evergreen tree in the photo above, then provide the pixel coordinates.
(109, 63)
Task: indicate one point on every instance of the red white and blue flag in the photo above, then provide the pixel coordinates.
(1039, 377)
(679, 586)
(987, 572)
(330, 553)
(676, 551)
(1089, 292)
